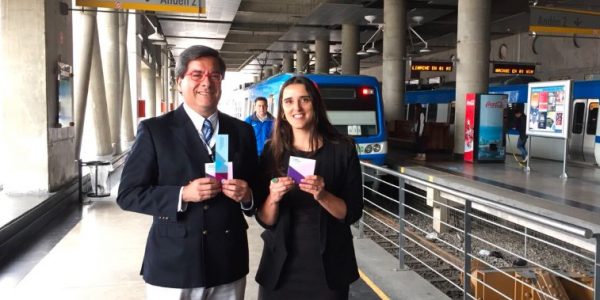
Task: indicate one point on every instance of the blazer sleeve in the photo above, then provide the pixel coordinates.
(352, 191)
(139, 190)
(261, 190)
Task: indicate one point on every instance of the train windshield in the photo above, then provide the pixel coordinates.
(351, 110)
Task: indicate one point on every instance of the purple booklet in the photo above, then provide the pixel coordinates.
(300, 167)
(209, 170)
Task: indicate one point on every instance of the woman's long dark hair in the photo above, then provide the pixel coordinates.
(282, 138)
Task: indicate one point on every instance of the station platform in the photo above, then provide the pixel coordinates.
(97, 252)
(573, 200)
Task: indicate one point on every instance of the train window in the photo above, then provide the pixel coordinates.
(578, 118)
(349, 111)
(592, 119)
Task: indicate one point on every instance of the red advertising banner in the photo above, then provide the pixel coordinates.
(469, 126)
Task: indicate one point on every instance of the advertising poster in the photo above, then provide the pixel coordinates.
(490, 127)
(65, 102)
(469, 126)
(548, 108)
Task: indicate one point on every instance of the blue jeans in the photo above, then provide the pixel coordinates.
(521, 146)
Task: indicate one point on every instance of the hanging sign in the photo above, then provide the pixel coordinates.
(182, 6)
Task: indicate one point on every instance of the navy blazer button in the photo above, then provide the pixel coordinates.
(205, 206)
(226, 230)
(205, 232)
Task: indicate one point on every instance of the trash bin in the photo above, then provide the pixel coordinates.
(99, 171)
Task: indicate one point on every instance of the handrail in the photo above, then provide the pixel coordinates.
(540, 219)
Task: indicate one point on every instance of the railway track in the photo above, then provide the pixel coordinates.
(421, 260)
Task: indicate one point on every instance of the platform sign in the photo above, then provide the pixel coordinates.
(513, 69)
(548, 108)
(469, 126)
(555, 20)
(182, 6)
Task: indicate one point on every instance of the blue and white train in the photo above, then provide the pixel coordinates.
(583, 140)
(354, 107)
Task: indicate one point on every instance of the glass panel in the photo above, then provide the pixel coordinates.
(592, 119)
(354, 123)
(578, 118)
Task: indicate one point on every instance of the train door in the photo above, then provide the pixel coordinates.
(583, 129)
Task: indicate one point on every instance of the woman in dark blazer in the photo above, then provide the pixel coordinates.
(308, 251)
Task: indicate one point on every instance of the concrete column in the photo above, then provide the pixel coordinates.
(149, 91)
(276, 69)
(268, 72)
(350, 45)
(301, 61)
(85, 22)
(287, 63)
(394, 65)
(472, 52)
(322, 55)
(126, 116)
(159, 90)
(108, 31)
(127, 121)
(99, 105)
(134, 62)
(165, 80)
(36, 156)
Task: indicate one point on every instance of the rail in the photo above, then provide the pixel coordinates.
(476, 248)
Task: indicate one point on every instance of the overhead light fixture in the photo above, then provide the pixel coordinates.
(370, 18)
(362, 52)
(373, 50)
(424, 49)
(371, 40)
(156, 36)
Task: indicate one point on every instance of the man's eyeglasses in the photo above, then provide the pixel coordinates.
(197, 76)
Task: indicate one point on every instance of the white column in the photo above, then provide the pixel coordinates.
(99, 107)
(472, 52)
(108, 30)
(83, 43)
(350, 45)
(301, 61)
(394, 65)
(322, 55)
(287, 63)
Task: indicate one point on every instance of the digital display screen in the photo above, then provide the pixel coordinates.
(427, 66)
(514, 69)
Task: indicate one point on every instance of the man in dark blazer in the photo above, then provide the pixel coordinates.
(197, 247)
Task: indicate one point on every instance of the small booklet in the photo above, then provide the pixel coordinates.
(300, 167)
(209, 169)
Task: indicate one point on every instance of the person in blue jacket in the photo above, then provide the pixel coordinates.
(261, 121)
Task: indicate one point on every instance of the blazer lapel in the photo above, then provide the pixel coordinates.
(186, 133)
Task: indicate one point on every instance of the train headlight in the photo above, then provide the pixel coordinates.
(368, 148)
(376, 147)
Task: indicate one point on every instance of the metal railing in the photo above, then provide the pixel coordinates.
(475, 248)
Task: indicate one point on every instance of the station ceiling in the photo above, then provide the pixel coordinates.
(251, 34)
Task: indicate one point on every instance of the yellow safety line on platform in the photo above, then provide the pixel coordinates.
(373, 286)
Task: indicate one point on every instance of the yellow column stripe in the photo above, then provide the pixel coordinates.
(553, 29)
(373, 286)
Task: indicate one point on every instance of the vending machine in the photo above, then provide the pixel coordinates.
(484, 127)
